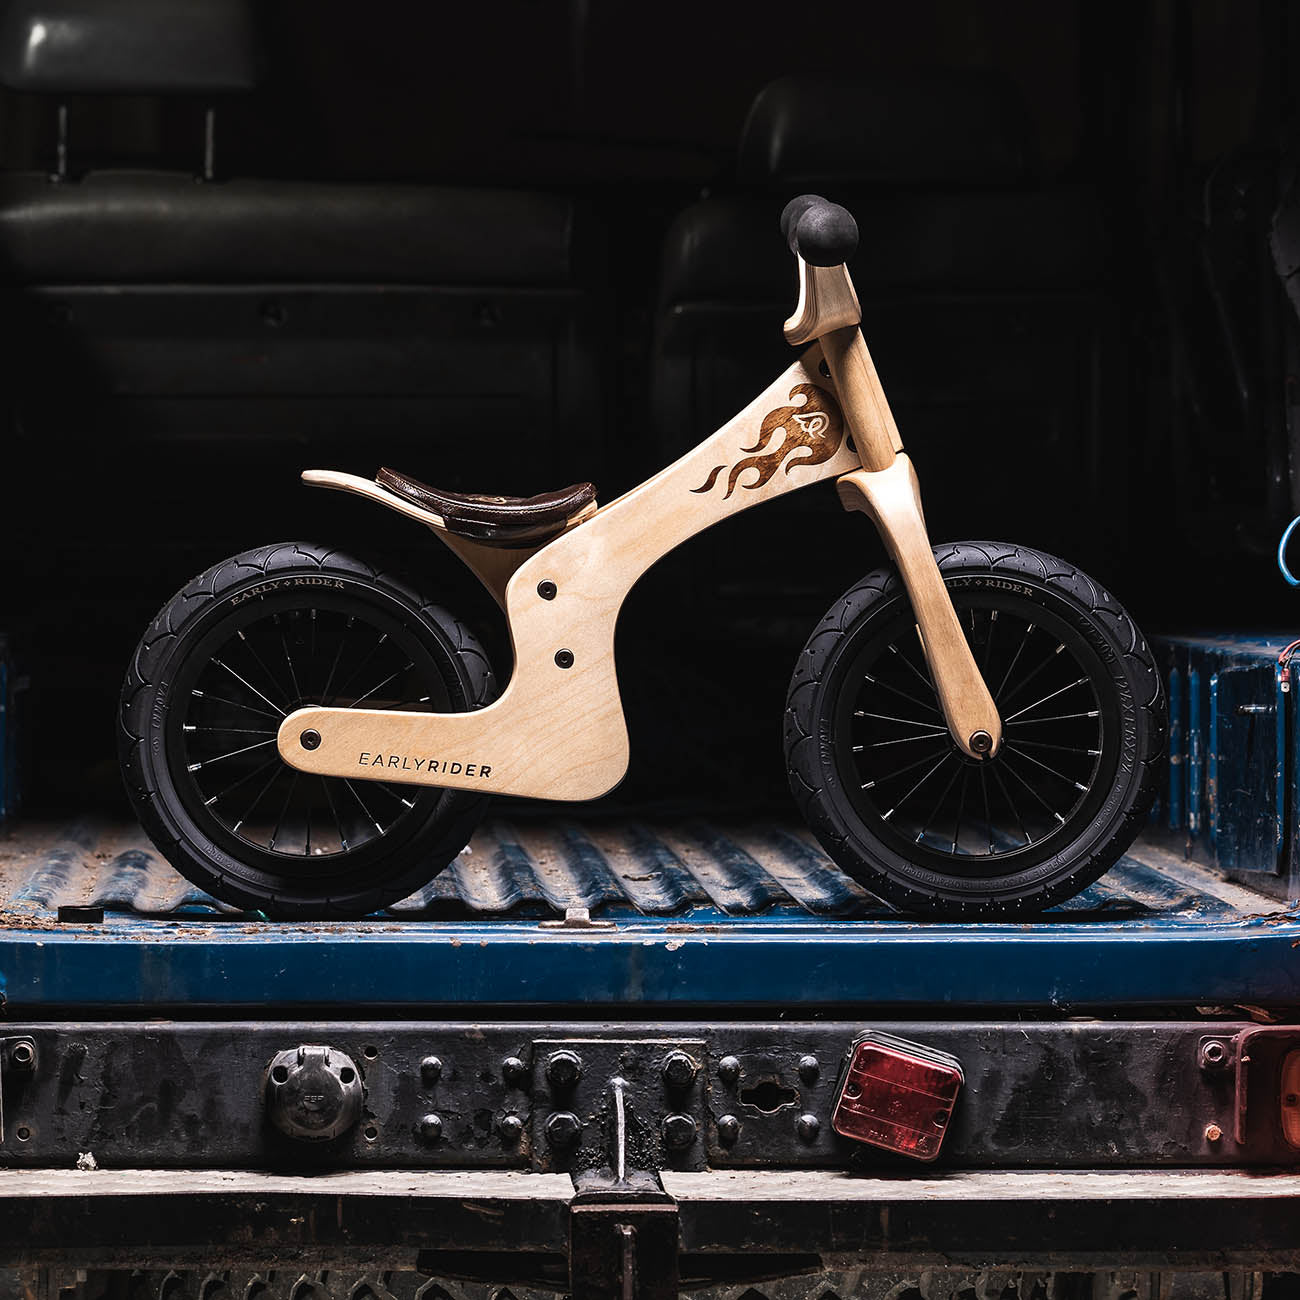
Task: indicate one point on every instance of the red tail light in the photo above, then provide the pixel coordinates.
(897, 1095)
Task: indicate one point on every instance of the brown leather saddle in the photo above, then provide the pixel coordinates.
(494, 521)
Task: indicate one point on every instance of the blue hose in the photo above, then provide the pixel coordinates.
(1281, 553)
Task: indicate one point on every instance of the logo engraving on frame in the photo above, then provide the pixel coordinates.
(813, 426)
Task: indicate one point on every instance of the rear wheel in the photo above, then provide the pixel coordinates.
(225, 661)
(901, 809)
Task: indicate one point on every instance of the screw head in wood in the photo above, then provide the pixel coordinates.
(546, 589)
(981, 742)
(564, 658)
(310, 739)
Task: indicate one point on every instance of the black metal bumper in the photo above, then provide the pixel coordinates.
(471, 1223)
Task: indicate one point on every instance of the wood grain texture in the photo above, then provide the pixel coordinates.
(865, 406)
(493, 566)
(892, 499)
(556, 732)
(827, 301)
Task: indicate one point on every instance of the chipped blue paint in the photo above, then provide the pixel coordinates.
(1194, 752)
(704, 916)
(1280, 786)
(1177, 765)
(1239, 789)
(1212, 763)
(795, 963)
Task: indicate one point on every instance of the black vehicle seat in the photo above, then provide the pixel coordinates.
(496, 520)
(984, 292)
(164, 316)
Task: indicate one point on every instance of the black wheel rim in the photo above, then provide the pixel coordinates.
(250, 669)
(912, 787)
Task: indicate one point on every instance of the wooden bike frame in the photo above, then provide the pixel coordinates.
(558, 731)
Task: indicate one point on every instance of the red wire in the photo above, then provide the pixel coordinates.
(1284, 665)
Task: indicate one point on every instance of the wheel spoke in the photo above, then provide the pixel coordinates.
(234, 704)
(1015, 812)
(234, 753)
(1015, 659)
(364, 806)
(1029, 758)
(284, 808)
(1024, 681)
(248, 776)
(351, 677)
(988, 642)
(280, 658)
(943, 759)
(961, 805)
(888, 717)
(252, 807)
(1059, 691)
(895, 772)
(934, 812)
(988, 813)
(1064, 749)
(1011, 771)
(257, 658)
(1060, 717)
(288, 658)
(195, 729)
(903, 740)
(338, 654)
(221, 663)
(876, 681)
(381, 685)
(334, 812)
(393, 794)
(916, 672)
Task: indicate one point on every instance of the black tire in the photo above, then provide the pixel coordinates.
(1071, 785)
(297, 624)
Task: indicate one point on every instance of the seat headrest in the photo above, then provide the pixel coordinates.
(70, 47)
(925, 129)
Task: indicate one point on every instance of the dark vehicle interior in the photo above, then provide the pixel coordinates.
(507, 248)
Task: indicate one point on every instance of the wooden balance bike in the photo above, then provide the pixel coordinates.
(972, 733)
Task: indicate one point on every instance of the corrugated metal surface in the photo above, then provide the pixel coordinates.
(539, 869)
(689, 914)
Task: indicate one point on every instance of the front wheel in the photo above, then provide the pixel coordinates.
(225, 661)
(903, 811)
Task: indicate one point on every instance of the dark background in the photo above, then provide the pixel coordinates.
(508, 247)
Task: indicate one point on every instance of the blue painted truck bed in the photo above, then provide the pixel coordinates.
(688, 915)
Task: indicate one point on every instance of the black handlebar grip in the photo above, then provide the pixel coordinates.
(821, 232)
